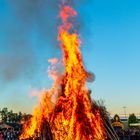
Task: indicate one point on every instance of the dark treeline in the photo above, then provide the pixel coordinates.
(10, 116)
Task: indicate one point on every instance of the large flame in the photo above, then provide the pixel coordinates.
(72, 117)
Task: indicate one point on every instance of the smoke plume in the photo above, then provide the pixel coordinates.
(29, 18)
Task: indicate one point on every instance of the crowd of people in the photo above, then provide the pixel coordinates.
(13, 134)
(130, 134)
(9, 134)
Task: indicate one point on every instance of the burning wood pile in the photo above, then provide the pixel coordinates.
(73, 116)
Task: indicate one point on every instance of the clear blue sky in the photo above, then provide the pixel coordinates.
(110, 33)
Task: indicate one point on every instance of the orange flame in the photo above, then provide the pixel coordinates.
(72, 117)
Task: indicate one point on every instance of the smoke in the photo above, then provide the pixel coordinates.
(26, 18)
(12, 66)
(39, 15)
(29, 18)
(90, 77)
(18, 58)
(42, 15)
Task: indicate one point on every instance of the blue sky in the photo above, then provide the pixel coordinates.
(110, 34)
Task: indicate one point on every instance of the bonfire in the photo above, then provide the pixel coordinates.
(73, 116)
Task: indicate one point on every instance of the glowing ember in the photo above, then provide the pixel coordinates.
(72, 117)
